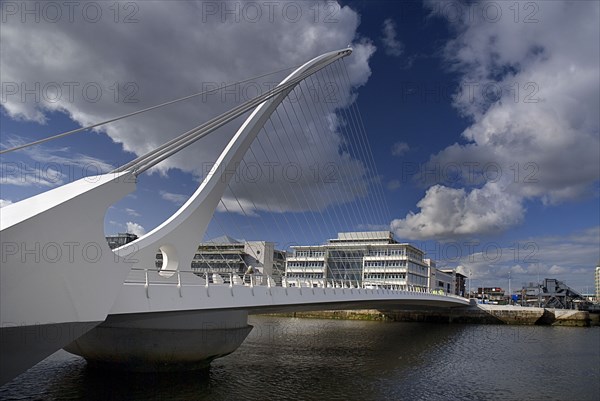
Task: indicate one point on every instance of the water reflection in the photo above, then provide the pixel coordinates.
(345, 360)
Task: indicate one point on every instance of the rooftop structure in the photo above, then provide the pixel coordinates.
(120, 239)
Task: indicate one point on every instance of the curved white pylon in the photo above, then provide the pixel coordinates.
(58, 277)
(178, 237)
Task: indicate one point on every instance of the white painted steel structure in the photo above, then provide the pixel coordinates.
(146, 291)
(69, 287)
(160, 323)
(73, 289)
(58, 277)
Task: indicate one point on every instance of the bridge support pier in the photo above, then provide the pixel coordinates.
(166, 341)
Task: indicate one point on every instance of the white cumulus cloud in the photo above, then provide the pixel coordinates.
(135, 228)
(531, 92)
(451, 212)
(175, 49)
(571, 257)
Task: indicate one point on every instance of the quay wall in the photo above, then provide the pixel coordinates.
(475, 314)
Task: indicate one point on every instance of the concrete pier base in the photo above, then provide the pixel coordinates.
(162, 341)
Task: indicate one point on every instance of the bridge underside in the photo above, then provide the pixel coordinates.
(352, 305)
(22, 346)
(188, 340)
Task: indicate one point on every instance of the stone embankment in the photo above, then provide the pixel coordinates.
(475, 314)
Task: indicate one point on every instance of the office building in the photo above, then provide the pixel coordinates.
(459, 280)
(597, 279)
(225, 255)
(370, 259)
(439, 280)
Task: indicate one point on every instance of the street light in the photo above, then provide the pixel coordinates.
(509, 290)
(470, 279)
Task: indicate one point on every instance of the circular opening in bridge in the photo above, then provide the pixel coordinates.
(170, 261)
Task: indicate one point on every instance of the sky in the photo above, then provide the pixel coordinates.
(482, 141)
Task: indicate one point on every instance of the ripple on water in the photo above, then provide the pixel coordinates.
(290, 359)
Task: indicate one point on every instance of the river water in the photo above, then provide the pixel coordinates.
(291, 359)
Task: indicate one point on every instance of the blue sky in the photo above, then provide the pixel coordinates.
(482, 119)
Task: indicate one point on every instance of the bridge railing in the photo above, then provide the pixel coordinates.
(190, 278)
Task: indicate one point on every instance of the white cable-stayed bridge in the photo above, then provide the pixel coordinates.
(120, 308)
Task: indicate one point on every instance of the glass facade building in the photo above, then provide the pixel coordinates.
(370, 259)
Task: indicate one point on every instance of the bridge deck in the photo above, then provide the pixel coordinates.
(173, 294)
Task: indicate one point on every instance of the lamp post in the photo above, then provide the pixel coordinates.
(539, 287)
(509, 290)
(470, 279)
